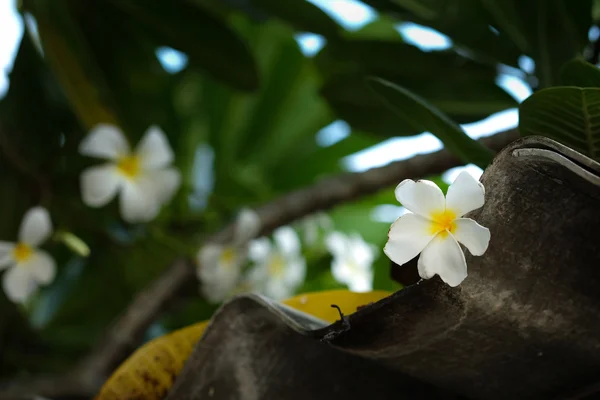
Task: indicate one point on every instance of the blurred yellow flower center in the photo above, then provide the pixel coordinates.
(228, 256)
(22, 252)
(129, 166)
(276, 265)
(442, 222)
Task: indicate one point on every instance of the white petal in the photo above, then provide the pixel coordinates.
(295, 272)
(105, 141)
(324, 221)
(99, 185)
(408, 236)
(220, 285)
(257, 276)
(259, 250)
(18, 284)
(475, 237)
(166, 182)
(444, 257)
(138, 202)
(154, 150)
(361, 282)
(41, 267)
(6, 258)
(342, 271)
(277, 290)
(215, 292)
(362, 252)
(337, 244)
(422, 197)
(247, 226)
(357, 279)
(465, 194)
(287, 241)
(6, 261)
(36, 227)
(310, 232)
(249, 284)
(208, 259)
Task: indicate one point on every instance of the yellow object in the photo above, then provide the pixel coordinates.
(129, 166)
(318, 304)
(151, 370)
(22, 252)
(442, 222)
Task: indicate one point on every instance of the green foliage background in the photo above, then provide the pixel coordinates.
(252, 97)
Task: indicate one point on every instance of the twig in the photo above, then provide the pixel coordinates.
(125, 334)
(128, 330)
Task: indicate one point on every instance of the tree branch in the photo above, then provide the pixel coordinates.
(126, 332)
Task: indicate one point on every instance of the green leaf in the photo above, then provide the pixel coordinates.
(415, 111)
(382, 28)
(125, 55)
(556, 32)
(550, 31)
(507, 18)
(302, 15)
(64, 49)
(580, 73)
(569, 115)
(464, 89)
(316, 162)
(209, 42)
(110, 76)
(466, 22)
(34, 115)
(254, 136)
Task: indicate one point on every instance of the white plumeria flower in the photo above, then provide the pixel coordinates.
(279, 270)
(436, 227)
(313, 225)
(144, 178)
(27, 266)
(220, 266)
(352, 260)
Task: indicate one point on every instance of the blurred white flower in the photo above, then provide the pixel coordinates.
(219, 266)
(279, 270)
(313, 224)
(436, 227)
(352, 260)
(144, 178)
(27, 266)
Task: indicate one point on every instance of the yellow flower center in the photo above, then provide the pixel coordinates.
(22, 252)
(228, 256)
(276, 265)
(442, 222)
(129, 166)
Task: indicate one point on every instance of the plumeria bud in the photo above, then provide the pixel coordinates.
(73, 242)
